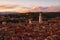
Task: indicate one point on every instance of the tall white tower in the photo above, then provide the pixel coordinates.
(40, 18)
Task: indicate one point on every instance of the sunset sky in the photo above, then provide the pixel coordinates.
(31, 2)
(25, 5)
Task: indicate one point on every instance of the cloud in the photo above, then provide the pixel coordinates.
(7, 6)
(18, 8)
(23, 10)
(38, 9)
(29, 9)
(52, 9)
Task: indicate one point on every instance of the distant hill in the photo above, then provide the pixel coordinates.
(2, 13)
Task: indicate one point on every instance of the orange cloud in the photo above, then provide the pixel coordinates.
(22, 10)
(7, 6)
(17, 8)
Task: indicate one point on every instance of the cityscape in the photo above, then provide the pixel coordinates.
(29, 19)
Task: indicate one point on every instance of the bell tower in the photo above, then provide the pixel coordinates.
(40, 18)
